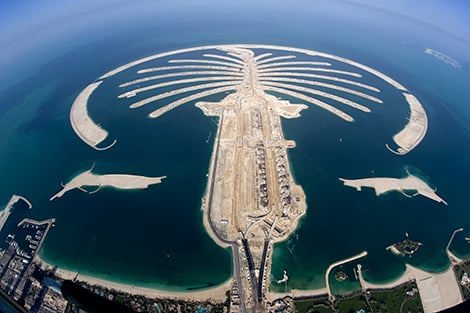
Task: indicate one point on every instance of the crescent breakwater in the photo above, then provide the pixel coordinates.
(83, 125)
(415, 130)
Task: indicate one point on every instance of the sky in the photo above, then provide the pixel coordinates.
(452, 16)
(22, 17)
(29, 29)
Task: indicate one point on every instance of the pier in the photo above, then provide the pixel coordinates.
(5, 213)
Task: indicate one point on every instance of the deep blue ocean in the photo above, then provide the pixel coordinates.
(155, 237)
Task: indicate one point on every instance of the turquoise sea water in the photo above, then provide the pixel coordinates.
(155, 237)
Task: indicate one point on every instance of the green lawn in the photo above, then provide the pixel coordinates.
(395, 301)
(312, 306)
(352, 305)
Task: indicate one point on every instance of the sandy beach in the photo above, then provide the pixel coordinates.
(216, 293)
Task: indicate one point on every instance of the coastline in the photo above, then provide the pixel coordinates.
(216, 293)
(208, 229)
(205, 208)
(411, 273)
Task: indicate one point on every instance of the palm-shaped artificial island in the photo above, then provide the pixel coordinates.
(251, 200)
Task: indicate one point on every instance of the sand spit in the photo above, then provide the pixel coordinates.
(308, 69)
(324, 77)
(221, 57)
(231, 64)
(181, 67)
(216, 293)
(333, 57)
(415, 130)
(294, 63)
(385, 184)
(284, 57)
(160, 111)
(134, 92)
(248, 46)
(262, 56)
(120, 181)
(175, 92)
(90, 132)
(311, 100)
(177, 74)
(234, 62)
(321, 84)
(319, 93)
(153, 57)
(5, 213)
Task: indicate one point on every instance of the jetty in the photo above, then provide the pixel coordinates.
(5, 213)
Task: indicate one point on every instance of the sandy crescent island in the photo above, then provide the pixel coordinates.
(415, 130)
(85, 128)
